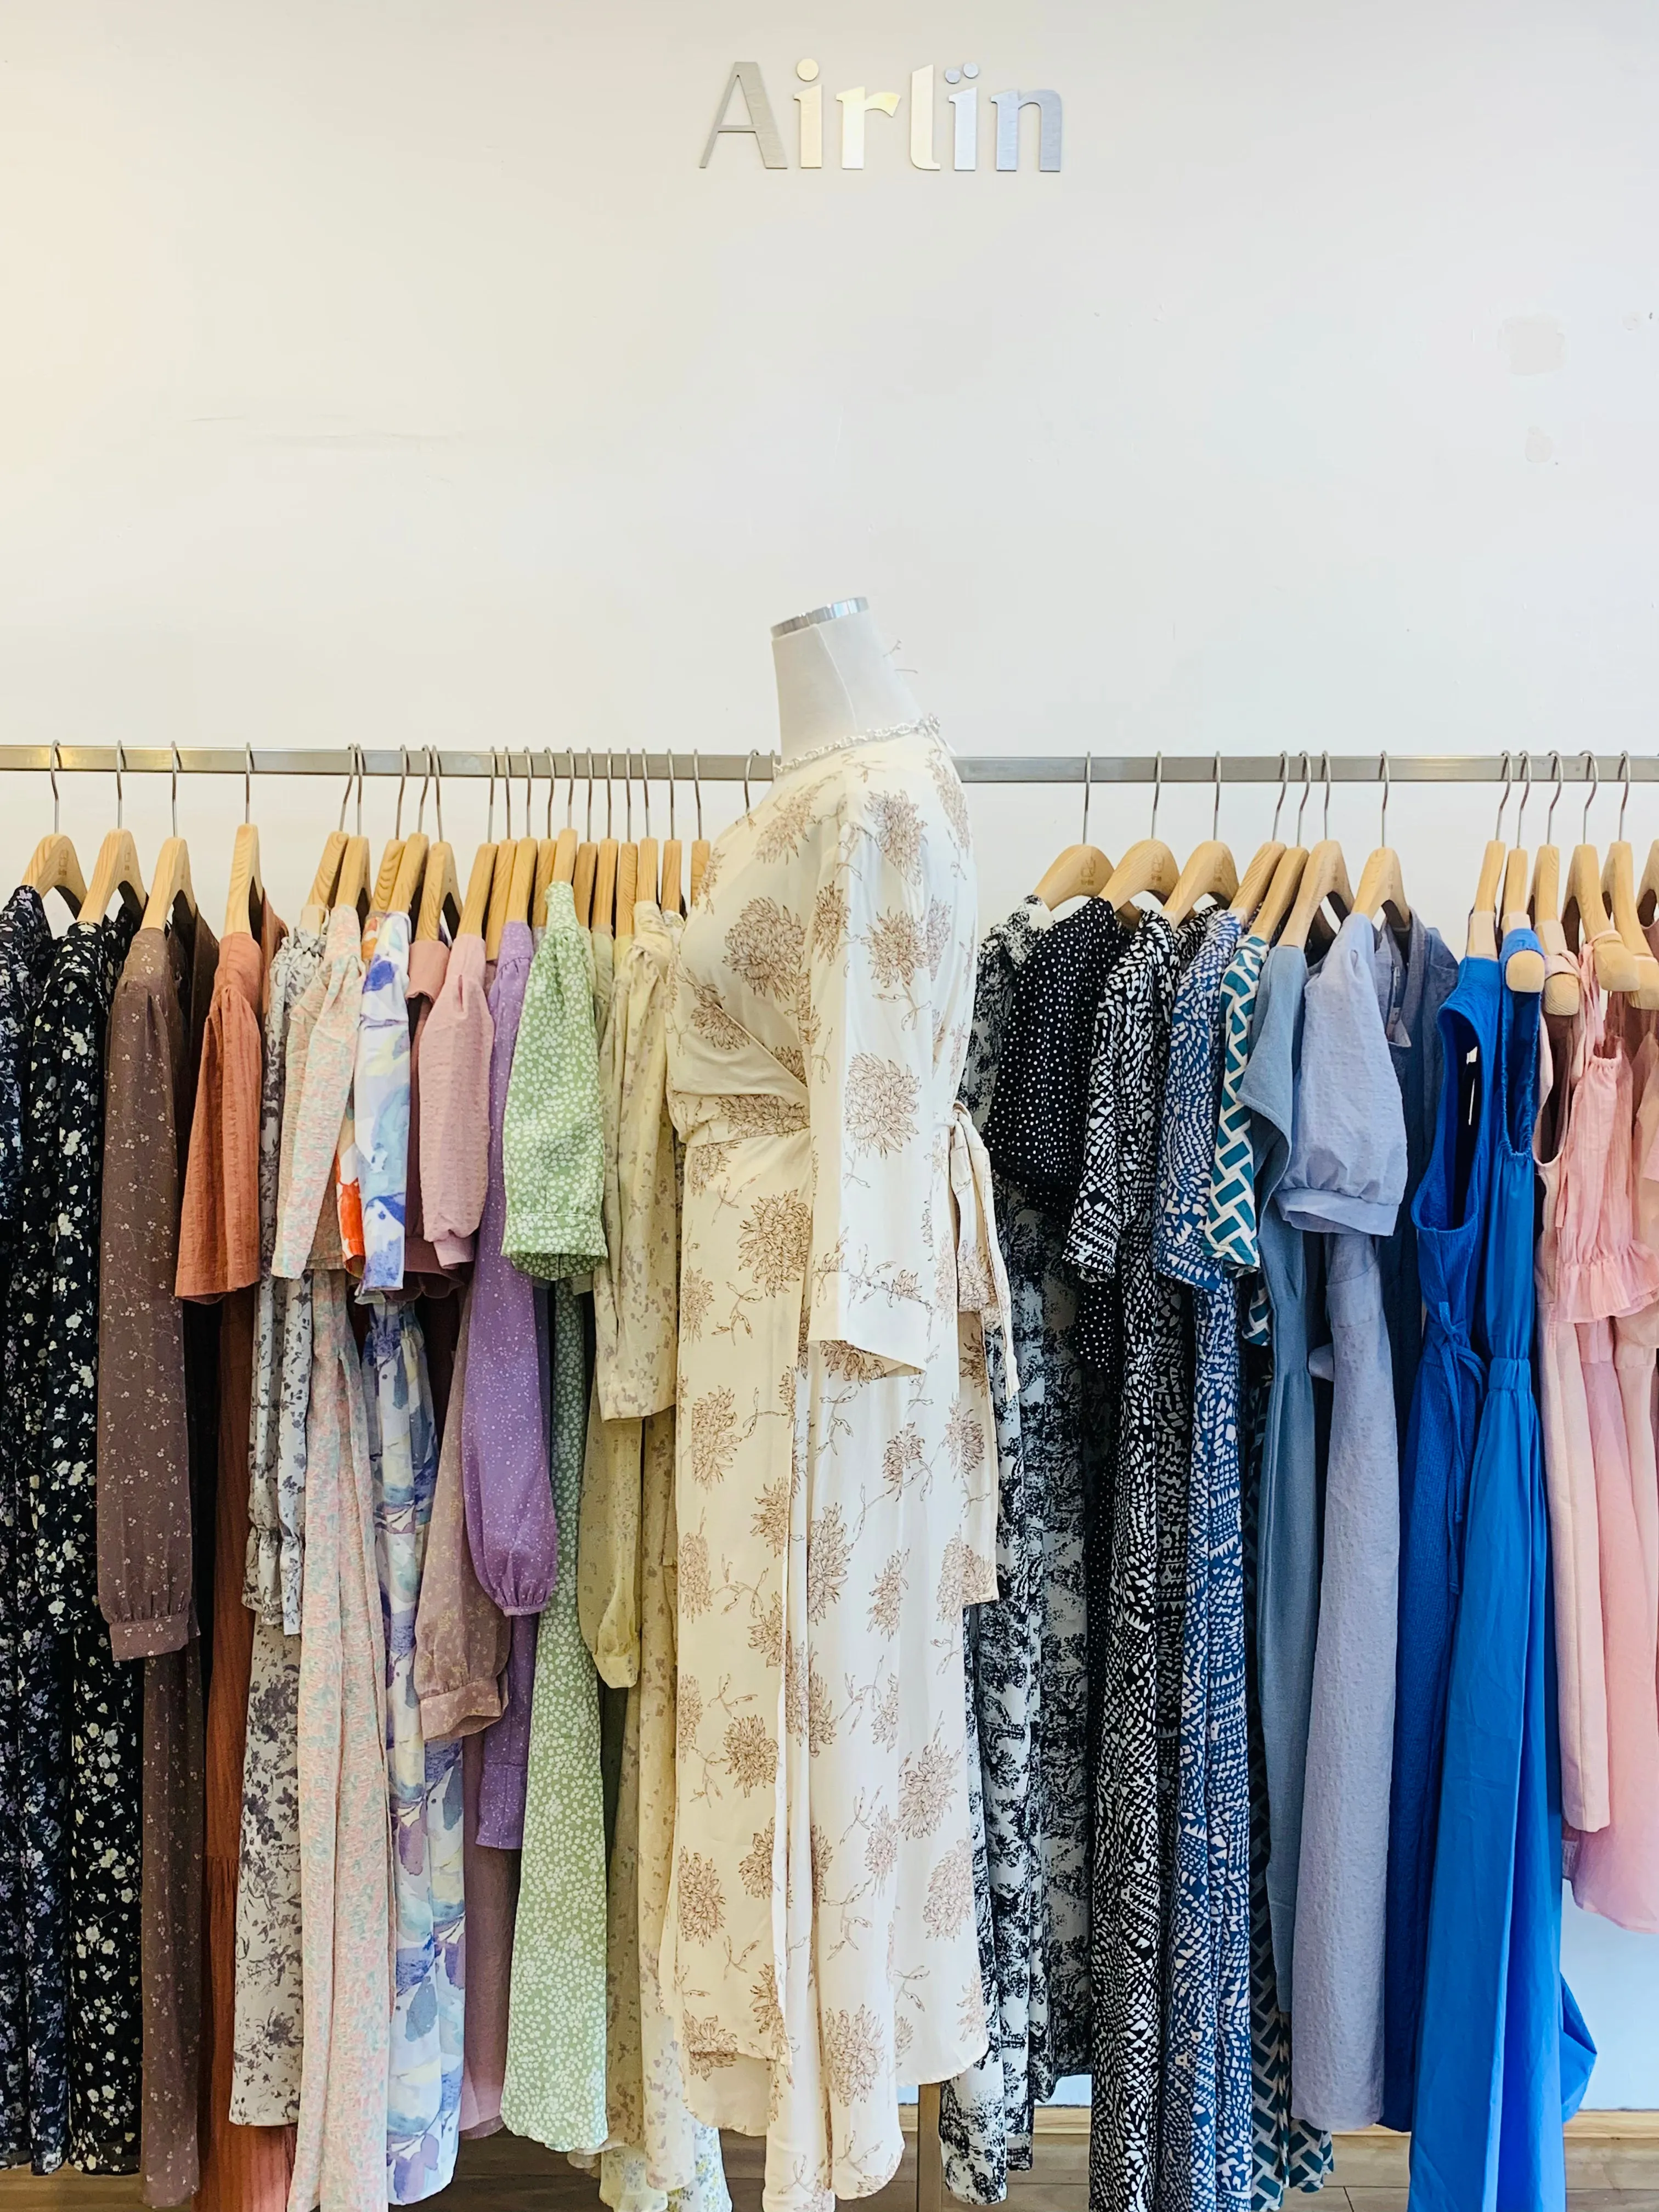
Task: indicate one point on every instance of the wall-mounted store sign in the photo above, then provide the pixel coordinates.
(745, 89)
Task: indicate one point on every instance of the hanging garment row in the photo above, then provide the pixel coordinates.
(621, 1524)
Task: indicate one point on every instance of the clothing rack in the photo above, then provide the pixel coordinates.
(1105, 768)
(759, 767)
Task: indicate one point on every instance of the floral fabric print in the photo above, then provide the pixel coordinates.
(985, 2114)
(33, 2083)
(835, 1487)
(423, 2100)
(325, 1028)
(550, 1132)
(282, 1386)
(380, 1104)
(269, 2022)
(635, 1297)
(554, 2086)
(269, 2030)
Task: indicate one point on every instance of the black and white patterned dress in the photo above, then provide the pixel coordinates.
(34, 2099)
(78, 1711)
(1026, 1085)
(1134, 1328)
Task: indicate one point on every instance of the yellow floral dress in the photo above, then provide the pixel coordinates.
(835, 1465)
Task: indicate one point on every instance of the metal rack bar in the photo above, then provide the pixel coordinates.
(759, 767)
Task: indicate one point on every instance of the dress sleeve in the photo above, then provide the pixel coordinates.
(330, 1059)
(219, 1238)
(462, 1638)
(455, 1054)
(144, 1545)
(866, 1032)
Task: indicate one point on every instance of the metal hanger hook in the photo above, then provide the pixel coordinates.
(172, 795)
(1088, 784)
(51, 770)
(247, 784)
(1503, 801)
(1555, 800)
(1593, 769)
(610, 795)
(1624, 801)
(1215, 816)
(1278, 803)
(489, 817)
(645, 787)
(529, 792)
(120, 766)
(628, 793)
(1526, 794)
(590, 794)
(426, 781)
(345, 796)
(552, 789)
(362, 769)
(1325, 762)
(1383, 819)
(673, 834)
(1306, 787)
(696, 785)
(748, 764)
(1157, 792)
(570, 792)
(402, 780)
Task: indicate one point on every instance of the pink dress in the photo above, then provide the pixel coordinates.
(1606, 1274)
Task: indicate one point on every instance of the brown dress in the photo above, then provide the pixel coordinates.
(145, 1535)
(243, 2169)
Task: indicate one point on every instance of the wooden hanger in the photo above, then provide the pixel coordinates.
(1257, 880)
(1561, 991)
(1585, 917)
(512, 890)
(584, 870)
(604, 883)
(54, 865)
(1524, 970)
(1148, 865)
(440, 894)
(1209, 873)
(1482, 942)
(627, 884)
(352, 890)
(1382, 890)
(1324, 876)
(325, 884)
(410, 877)
(1081, 870)
(170, 886)
(1280, 894)
(546, 854)
(116, 869)
(1619, 888)
(391, 854)
(475, 910)
(699, 843)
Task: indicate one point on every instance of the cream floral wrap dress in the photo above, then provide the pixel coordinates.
(836, 1471)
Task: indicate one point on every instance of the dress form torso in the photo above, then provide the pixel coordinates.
(834, 679)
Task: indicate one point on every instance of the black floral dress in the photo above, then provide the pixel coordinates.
(77, 1712)
(1135, 1328)
(29, 2131)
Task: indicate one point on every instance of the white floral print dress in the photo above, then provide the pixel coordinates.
(836, 1476)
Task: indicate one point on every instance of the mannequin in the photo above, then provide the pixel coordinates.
(834, 679)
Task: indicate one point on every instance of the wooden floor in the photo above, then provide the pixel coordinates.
(505, 2174)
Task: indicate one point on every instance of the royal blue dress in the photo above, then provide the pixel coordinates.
(1504, 2056)
(1450, 1211)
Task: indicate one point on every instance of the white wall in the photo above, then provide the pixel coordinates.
(391, 373)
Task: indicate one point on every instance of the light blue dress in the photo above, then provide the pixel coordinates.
(1345, 1179)
(1504, 2056)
